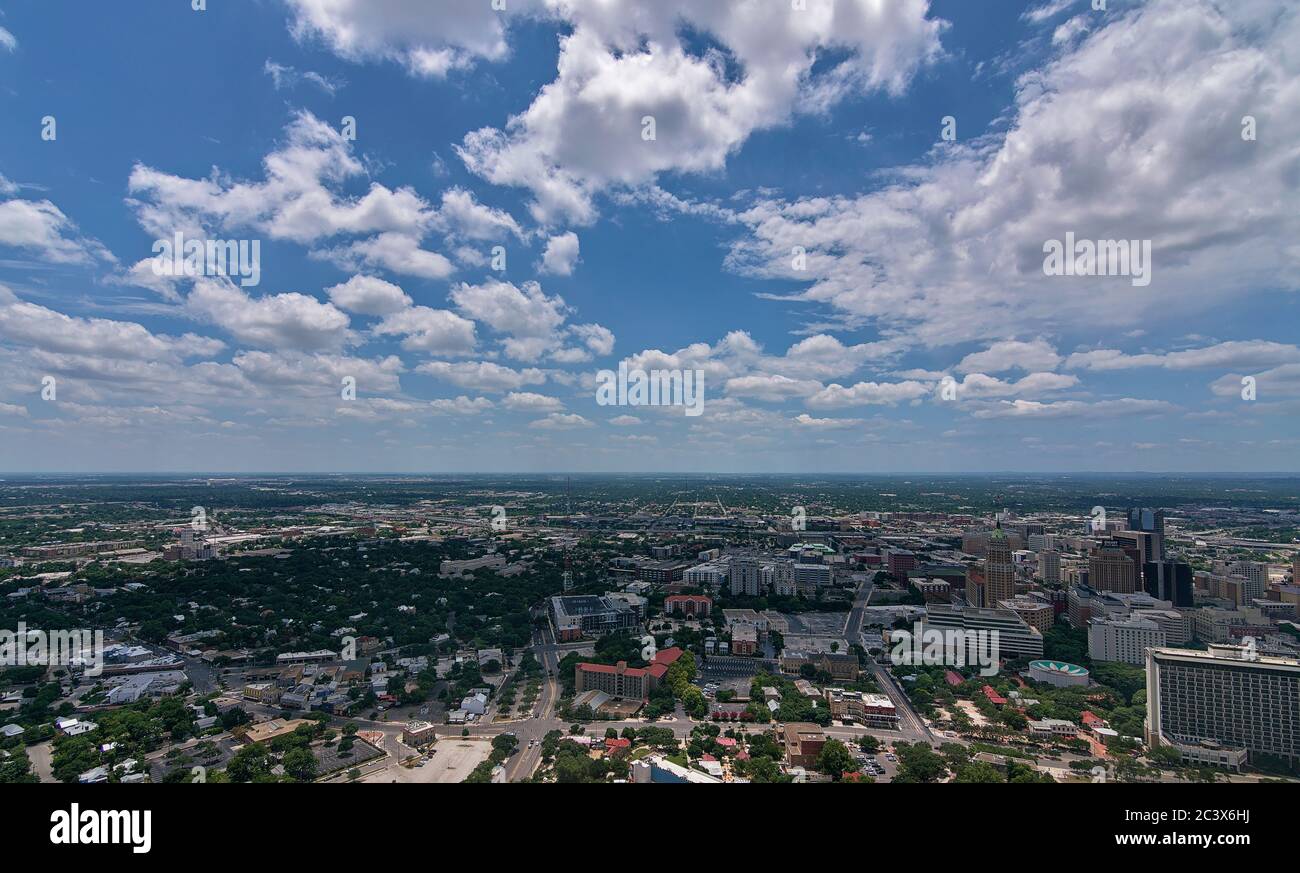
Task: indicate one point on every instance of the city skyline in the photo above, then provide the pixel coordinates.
(842, 215)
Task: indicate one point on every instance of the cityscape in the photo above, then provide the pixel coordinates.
(627, 392)
(643, 628)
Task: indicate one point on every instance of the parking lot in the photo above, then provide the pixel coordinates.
(451, 761)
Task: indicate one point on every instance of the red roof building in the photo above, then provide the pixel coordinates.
(619, 680)
(953, 679)
(994, 698)
(667, 656)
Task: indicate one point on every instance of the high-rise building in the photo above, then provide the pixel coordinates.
(746, 575)
(1049, 567)
(1141, 545)
(1169, 580)
(1256, 576)
(999, 570)
(1226, 698)
(1111, 569)
(1151, 521)
(1123, 639)
(975, 586)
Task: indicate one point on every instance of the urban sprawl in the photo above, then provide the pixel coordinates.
(641, 629)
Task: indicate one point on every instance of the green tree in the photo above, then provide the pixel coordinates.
(835, 760)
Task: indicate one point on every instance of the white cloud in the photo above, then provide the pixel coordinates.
(771, 387)
(30, 324)
(803, 419)
(531, 320)
(367, 295)
(320, 372)
(1283, 381)
(1011, 355)
(1075, 408)
(462, 215)
(527, 401)
(951, 250)
(561, 255)
(624, 61)
(868, 394)
(482, 375)
(284, 76)
(294, 320)
(560, 421)
(40, 227)
(7, 40)
(298, 200)
(436, 331)
(980, 385)
(1240, 354)
(429, 38)
(462, 405)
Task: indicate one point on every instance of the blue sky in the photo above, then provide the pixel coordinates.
(780, 127)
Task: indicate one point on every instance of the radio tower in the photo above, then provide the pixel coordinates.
(568, 570)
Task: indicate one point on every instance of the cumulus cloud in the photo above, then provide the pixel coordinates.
(40, 228)
(298, 200)
(436, 331)
(560, 421)
(462, 405)
(561, 254)
(482, 375)
(1011, 355)
(528, 401)
(951, 250)
(530, 319)
(623, 62)
(368, 295)
(292, 319)
(868, 394)
(1245, 353)
(30, 324)
(430, 38)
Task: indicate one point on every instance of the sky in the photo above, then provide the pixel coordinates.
(839, 212)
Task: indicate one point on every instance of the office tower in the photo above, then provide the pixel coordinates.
(1237, 701)
(1111, 569)
(999, 570)
(1168, 580)
(1151, 521)
(1125, 640)
(1141, 545)
(1049, 567)
(975, 586)
(1256, 576)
